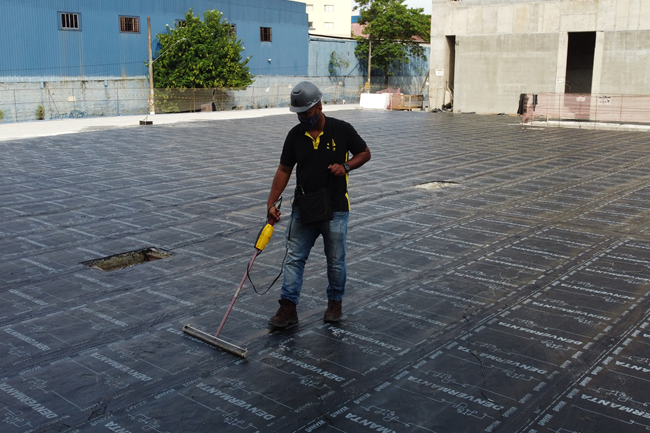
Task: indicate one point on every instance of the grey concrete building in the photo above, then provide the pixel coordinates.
(485, 53)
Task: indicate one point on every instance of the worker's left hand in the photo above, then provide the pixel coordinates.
(337, 169)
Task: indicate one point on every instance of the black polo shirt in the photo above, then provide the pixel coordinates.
(313, 156)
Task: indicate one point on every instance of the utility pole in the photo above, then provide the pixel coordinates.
(152, 108)
(369, 64)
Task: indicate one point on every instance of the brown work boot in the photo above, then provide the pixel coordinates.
(286, 315)
(334, 311)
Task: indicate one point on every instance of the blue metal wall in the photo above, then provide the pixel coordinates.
(320, 51)
(33, 47)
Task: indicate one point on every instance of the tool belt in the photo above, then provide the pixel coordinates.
(315, 207)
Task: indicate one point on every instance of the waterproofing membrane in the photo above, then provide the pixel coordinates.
(513, 301)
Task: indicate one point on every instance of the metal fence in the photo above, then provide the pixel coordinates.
(20, 105)
(53, 100)
(629, 109)
(185, 100)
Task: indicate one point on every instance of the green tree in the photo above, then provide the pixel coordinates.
(201, 54)
(392, 30)
(337, 62)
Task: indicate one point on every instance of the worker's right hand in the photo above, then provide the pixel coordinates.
(273, 215)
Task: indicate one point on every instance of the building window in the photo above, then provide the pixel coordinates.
(311, 25)
(329, 8)
(232, 31)
(309, 8)
(130, 24)
(69, 21)
(265, 34)
(180, 23)
(329, 25)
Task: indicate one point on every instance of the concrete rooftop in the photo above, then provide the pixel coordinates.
(509, 294)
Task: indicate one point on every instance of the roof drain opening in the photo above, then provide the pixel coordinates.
(128, 259)
(436, 184)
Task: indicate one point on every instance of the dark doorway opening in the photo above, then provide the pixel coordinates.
(580, 62)
(449, 88)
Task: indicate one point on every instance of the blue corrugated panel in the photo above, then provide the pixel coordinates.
(35, 45)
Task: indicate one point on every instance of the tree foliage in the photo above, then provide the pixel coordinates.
(393, 29)
(201, 54)
(337, 62)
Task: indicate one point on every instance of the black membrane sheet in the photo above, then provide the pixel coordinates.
(512, 298)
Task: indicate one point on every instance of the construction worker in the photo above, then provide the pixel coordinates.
(320, 146)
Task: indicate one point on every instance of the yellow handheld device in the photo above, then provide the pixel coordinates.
(264, 237)
(265, 234)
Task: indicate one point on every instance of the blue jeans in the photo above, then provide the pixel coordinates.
(300, 240)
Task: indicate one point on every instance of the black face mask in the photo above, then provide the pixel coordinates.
(308, 123)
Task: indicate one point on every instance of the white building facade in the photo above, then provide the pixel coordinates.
(329, 17)
(485, 53)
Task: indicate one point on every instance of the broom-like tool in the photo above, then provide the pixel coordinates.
(214, 340)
